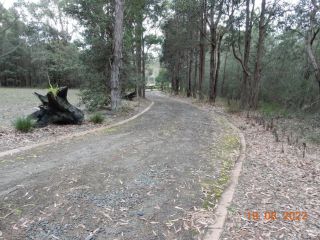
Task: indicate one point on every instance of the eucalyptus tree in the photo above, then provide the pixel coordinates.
(307, 22)
(117, 55)
(138, 13)
(251, 78)
(218, 18)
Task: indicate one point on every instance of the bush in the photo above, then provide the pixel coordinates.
(97, 118)
(95, 95)
(24, 124)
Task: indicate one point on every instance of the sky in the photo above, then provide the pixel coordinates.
(9, 3)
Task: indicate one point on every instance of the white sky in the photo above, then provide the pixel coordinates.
(9, 3)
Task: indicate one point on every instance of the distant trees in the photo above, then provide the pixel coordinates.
(252, 52)
(260, 37)
(34, 50)
(182, 47)
(39, 43)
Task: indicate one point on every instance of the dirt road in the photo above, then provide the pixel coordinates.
(139, 181)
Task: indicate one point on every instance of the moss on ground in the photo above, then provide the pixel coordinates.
(222, 151)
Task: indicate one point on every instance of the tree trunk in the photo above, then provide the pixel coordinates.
(255, 88)
(218, 67)
(139, 32)
(214, 63)
(117, 55)
(245, 84)
(189, 90)
(194, 88)
(143, 87)
(224, 74)
(202, 54)
(176, 78)
(310, 36)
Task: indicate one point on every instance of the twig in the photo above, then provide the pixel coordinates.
(10, 213)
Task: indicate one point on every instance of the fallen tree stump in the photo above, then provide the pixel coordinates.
(55, 109)
(130, 96)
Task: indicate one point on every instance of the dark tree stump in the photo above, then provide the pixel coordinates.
(56, 110)
(130, 96)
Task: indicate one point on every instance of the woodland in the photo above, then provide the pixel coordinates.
(250, 52)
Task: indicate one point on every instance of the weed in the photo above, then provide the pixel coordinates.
(24, 124)
(53, 89)
(97, 118)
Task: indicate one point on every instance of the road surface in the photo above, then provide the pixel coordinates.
(142, 180)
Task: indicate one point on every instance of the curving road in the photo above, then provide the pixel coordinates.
(138, 181)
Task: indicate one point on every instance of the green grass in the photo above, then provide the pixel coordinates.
(97, 118)
(24, 124)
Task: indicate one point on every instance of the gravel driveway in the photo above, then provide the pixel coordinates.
(144, 180)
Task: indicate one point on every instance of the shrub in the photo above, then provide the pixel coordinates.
(97, 118)
(24, 124)
(95, 95)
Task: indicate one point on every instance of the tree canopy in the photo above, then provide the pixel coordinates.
(244, 50)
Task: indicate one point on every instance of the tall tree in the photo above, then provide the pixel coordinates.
(310, 36)
(255, 88)
(216, 13)
(117, 55)
(244, 60)
(202, 47)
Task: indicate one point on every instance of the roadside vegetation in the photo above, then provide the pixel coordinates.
(24, 124)
(97, 118)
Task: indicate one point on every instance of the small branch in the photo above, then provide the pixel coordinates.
(239, 59)
(314, 35)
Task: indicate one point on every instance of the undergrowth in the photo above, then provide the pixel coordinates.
(24, 124)
(97, 118)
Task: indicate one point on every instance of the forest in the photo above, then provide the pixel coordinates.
(245, 51)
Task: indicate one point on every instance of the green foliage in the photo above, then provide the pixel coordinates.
(162, 80)
(33, 48)
(95, 94)
(24, 124)
(53, 89)
(97, 118)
